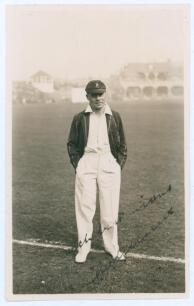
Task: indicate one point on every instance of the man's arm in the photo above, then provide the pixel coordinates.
(72, 143)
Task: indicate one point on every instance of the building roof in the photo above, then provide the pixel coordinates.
(162, 67)
(41, 73)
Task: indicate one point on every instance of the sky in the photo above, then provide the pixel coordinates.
(90, 41)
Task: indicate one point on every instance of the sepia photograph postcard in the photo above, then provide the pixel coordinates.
(97, 160)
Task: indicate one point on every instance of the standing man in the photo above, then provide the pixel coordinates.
(98, 151)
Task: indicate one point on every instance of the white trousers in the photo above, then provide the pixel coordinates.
(97, 171)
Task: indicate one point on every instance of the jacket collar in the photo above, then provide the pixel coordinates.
(107, 109)
(86, 120)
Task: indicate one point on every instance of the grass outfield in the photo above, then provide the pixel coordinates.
(43, 202)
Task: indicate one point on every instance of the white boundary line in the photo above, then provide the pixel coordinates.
(66, 248)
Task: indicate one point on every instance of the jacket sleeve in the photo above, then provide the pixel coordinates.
(72, 143)
(122, 150)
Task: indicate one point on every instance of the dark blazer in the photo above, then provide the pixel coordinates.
(78, 137)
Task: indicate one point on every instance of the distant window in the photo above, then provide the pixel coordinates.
(162, 91)
(162, 76)
(177, 90)
(141, 75)
(151, 76)
(148, 91)
(133, 92)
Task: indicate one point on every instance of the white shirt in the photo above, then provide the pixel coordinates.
(98, 135)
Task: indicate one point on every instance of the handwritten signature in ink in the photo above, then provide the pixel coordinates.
(81, 243)
(100, 272)
(152, 199)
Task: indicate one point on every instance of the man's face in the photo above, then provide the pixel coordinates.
(97, 100)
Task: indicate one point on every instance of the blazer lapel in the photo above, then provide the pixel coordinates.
(85, 126)
(108, 121)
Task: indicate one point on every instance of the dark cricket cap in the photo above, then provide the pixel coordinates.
(95, 86)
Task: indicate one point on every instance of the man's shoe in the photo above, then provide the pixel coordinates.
(120, 257)
(81, 257)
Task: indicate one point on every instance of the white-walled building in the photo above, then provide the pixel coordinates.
(42, 81)
(148, 81)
